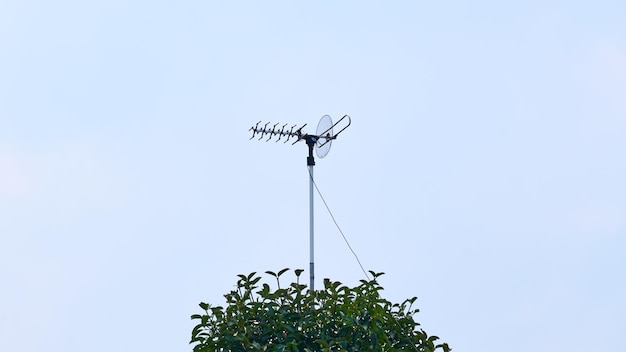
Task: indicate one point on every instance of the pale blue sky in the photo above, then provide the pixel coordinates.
(483, 171)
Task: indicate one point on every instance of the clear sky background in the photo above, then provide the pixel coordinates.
(483, 172)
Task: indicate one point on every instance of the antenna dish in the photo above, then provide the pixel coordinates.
(325, 134)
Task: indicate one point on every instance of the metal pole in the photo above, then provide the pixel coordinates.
(311, 232)
(310, 161)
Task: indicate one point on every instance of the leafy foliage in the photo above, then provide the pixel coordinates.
(293, 318)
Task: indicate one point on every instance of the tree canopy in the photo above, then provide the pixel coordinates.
(293, 318)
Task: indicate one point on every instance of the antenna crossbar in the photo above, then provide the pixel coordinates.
(270, 132)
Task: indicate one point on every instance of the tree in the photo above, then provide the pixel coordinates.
(293, 318)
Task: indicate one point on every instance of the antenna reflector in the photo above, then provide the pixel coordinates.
(325, 136)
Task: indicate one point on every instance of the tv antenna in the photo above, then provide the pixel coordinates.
(321, 142)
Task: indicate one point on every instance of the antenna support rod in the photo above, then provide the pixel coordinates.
(310, 161)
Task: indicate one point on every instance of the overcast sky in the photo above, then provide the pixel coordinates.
(483, 171)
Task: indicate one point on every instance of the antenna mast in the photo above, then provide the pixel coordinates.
(321, 142)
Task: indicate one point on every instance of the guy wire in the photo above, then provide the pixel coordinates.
(337, 225)
(350, 247)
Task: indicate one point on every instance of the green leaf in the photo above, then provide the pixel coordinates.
(322, 343)
(282, 272)
(375, 275)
